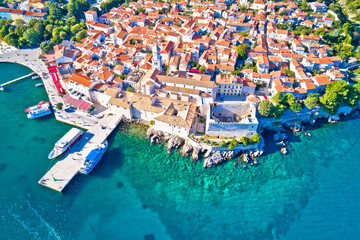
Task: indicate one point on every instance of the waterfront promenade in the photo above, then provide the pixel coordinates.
(98, 129)
(30, 59)
(67, 167)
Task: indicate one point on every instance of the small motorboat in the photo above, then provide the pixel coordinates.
(1, 88)
(39, 85)
(35, 77)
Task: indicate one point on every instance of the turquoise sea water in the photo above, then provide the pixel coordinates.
(139, 192)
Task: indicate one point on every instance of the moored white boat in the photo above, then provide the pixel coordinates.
(93, 158)
(42, 109)
(35, 77)
(66, 142)
(39, 85)
(1, 88)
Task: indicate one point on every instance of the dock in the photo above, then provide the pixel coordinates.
(18, 79)
(66, 168)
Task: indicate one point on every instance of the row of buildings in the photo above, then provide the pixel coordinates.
(169, 64)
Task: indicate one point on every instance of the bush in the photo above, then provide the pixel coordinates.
(256, 138)
(245, 140)
(130, 89)
(59, 105)
(152, 122)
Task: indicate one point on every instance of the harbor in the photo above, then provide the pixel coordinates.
(58, 177)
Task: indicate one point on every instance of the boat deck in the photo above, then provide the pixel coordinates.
(58, 177)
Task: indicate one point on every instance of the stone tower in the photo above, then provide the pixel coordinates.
(156, 58)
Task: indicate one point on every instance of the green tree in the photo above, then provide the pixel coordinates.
(49, 28)
(277, 98)
(32, 22)
(19, 30)
(255, 138)
(242, 51)
(234, 142)
(265, 108)
(202, 69)
(83, 24)
(59, 105)
(76, 28)
(32, 36)
(71, 21)
(296, 107)
(289, 99)
(11, 39)
(19, 22)
(4, 31)
(311, 100)
(278, 110)
(40, 28)
(46, 47)
(130, 89)
(305, 6)
(245, 140)
(62, 35)
(80, 35)
(289, 72)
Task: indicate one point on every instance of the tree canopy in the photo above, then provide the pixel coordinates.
(266, 108)
(243, 50)
(338, 93)
(312, 100)
(32, 36)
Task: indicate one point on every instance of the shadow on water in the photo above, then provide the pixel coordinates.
(3, 166)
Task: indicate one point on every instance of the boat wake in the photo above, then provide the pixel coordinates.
(32, 225)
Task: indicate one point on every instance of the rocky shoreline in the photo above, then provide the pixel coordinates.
(213, 157)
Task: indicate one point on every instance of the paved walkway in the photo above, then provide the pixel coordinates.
(29, 58)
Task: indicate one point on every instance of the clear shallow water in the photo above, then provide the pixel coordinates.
(139, 192)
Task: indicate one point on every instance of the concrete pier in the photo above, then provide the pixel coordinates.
(18, 79)
(66, 168)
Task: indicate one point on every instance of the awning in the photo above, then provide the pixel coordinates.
(79, 103)
(52, 69)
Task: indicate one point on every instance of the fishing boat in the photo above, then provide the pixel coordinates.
(41, 109)
(39, 85)
(66, 142)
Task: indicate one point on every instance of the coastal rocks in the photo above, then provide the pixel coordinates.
(207, 153)
(150, 132)
(312, 121)
(298, 127)
(333, 119)
(187, 149)
(284, 151)
(214, 159)
(279, 136)
(174, 142)
(195, 154)
(157, 137)
(246, 158)
(282, 143)
(355, 113)
(230, 154)
(256, 153)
